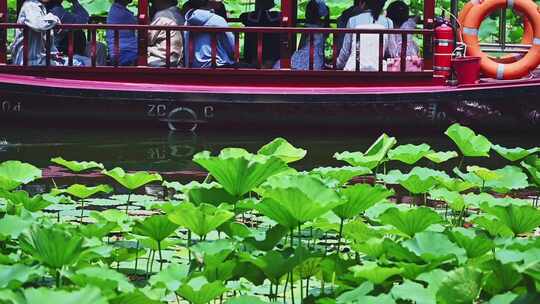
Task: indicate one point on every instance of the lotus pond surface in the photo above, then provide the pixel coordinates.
(259, 218)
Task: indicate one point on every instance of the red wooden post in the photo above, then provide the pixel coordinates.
(429, 23)
(143, 34)
(288, 45)
(3, 32)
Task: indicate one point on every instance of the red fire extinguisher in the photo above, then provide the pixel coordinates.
(444, 46)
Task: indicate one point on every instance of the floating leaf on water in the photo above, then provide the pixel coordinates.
(170, 277)
(77, 166)
(468, 142)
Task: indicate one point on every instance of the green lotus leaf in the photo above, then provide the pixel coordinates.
(493, 226)
(456, 184)
(454, 200)
(77, 166)
(514, 154)
(239, 171)
(199, 291)
(373, 247)
(372, 157)
(272, 237)
(504, 298)
(434, 279)
(468, 142)
(82, 191)
(409, 154)
(501, 278)
(413, 292)
(208, 193)
(275, 264)
(519, 219)
(359, 198)
(475, 245)
(419, 180)
(15, 173)
(170, 277)
(97, 230)
(374, 273)
(461, 286)
(532, 165)
(441, 157)
(434, 247)
(200, 219)
(304, 197)
(156, 227)
(358, 231)
(484, 173)
(14, 276)
(109, 281)
(42, 244)
(245, 300)
(213, 253)
(341, 174)
(22, 198)
(352, 296)
(282, 149)
(277, 212)
(508, 178)
(139, 296)
(86, 295)
(12, 226)
(132, 181)
(410, 221)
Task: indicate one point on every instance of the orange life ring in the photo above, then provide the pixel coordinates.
(528, 33)
(477, 13)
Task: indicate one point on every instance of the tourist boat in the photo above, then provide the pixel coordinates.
(188, 98)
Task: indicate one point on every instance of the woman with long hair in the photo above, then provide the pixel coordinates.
(370, 18)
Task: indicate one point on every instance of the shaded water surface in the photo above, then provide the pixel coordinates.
(163, 151)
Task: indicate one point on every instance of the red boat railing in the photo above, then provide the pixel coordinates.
(285, 32)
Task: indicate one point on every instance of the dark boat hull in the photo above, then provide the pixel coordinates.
(513, 104)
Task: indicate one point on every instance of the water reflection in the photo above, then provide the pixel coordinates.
(167, 151)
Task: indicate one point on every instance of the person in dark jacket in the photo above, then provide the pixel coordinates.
(262, 17)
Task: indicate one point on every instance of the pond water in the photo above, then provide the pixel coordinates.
(162, 151)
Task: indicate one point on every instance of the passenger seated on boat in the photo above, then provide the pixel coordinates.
(167, 14)
(218, 7)
(317, 16)
(119, 14)
(398, 12)
(343, 19)
(201, 15)
(262, 16)
(34, 15)
(371, 18)
(77, 15)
